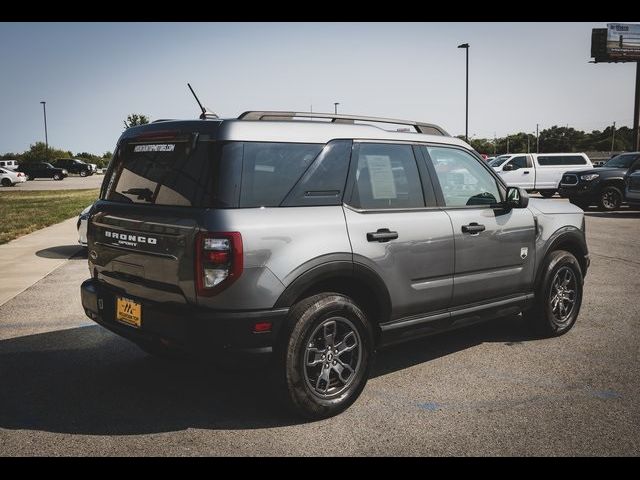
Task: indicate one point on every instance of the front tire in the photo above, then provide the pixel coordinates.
(57, 177)
(327, 354)
(7, 183)
(83, 173)
(547, 193)
(610, 199)
(558, 297)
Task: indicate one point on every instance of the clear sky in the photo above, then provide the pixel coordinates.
(92, 75)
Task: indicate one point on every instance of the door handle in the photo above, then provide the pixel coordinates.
(526, 173)
(473, 228)
(382, 235)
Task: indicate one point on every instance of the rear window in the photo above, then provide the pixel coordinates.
(183, 171)
(544, 160)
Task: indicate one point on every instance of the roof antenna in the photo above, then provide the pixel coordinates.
(205, 113)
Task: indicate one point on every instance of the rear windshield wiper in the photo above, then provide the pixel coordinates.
(142, 193)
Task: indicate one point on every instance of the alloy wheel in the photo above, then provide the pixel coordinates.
(563, 296)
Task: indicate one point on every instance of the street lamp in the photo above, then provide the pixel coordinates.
(335, 107)
(46, 138)
(466, 116)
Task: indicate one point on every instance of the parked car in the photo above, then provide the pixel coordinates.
(539, 172)
(9, 178)
(314, 243)
(9, 164)
(75, 166)
(42, 170)
(603, 186)
(82, 225)
(632, 190)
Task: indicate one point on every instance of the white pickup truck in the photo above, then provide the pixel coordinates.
(539, 172)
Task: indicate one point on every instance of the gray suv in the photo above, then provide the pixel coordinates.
(315, 239)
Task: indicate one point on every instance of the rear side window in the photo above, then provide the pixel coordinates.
(323, 182)
(555, 160)
(270, 171)
(386, 177)
(181, 171)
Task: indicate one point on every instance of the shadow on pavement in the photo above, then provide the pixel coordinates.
(88, 381)
(61, 251)
(616, 214)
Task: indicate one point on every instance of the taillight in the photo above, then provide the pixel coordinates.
(219, 261)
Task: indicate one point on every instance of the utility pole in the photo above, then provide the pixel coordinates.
(636, 111)
(613, 137)
(495, 140)
(466, 112)
(537, 140)
(46, 137)
(507, 143)
(335, 107)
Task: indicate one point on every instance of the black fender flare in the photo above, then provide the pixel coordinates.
(568, 234)
(358, 272)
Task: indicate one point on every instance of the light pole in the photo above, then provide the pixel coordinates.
(335, 107)
(466, 116)
(46, 137)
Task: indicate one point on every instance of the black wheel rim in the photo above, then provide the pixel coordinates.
(332, 357)
(563, 295)
(610, 199)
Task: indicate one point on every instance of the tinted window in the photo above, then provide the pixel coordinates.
(463, 180)
(323, 182)
(519, 162)
(386, 177)
(270, 170)
(621, 161)
(544, 160)
(176, 172)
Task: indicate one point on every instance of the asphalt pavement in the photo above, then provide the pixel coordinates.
(69, 387)
(74, 182)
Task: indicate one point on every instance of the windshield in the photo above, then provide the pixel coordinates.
(621, 161)
(496, 162)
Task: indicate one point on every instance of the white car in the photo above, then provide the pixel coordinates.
(539, 172)
(82, 225)
(9, 178)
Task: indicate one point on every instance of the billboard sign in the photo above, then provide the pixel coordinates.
(623, 41)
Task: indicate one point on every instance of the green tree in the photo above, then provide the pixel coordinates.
(38, 152)
(135, 119)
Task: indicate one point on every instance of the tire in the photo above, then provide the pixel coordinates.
(316, 329)
(610, 199)
(551, 317)
(57, 176)
(6, 182)
(547, 193)
(83, 173)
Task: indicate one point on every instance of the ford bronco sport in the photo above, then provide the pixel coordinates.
(314, 239)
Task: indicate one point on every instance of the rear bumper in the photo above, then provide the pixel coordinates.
(225, 335)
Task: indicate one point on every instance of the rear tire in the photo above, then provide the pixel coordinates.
(326, 356)
(610, 199)
(547, 193)
(83, 173)
(6, 182)
(57, 177)
(558, 297)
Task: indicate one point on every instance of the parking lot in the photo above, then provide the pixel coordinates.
(70, 387)
(74, 182)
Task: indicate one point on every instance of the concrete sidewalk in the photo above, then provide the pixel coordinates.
(28, 259)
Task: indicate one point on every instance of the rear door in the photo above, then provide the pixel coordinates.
(154, 198)
(396, 229)
(494, 248)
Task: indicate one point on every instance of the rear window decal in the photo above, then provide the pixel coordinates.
(154, 148)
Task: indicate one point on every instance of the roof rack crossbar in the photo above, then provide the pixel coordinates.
(420, 127)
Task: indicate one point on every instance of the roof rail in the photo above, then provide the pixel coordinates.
(426, 128)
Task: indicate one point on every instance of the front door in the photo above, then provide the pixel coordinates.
(519, 172)
(396, 229)
(494, 247)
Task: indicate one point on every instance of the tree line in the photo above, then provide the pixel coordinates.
(38, 152)
(558, 139)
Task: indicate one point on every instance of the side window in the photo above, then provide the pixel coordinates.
(386, 177)
(270, 170)
(323, 182)
(519, 162)
(636, 165)
(463, 180)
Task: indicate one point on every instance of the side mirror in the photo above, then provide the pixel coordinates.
(508, 167)
(517, 197)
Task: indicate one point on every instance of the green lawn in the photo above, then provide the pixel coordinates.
(25, 212)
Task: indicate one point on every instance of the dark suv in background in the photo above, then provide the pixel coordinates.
(42, 170)
(75, 166)
(602, 186)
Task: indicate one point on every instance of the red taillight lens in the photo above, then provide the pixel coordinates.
(219, 261)
(262, 327)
